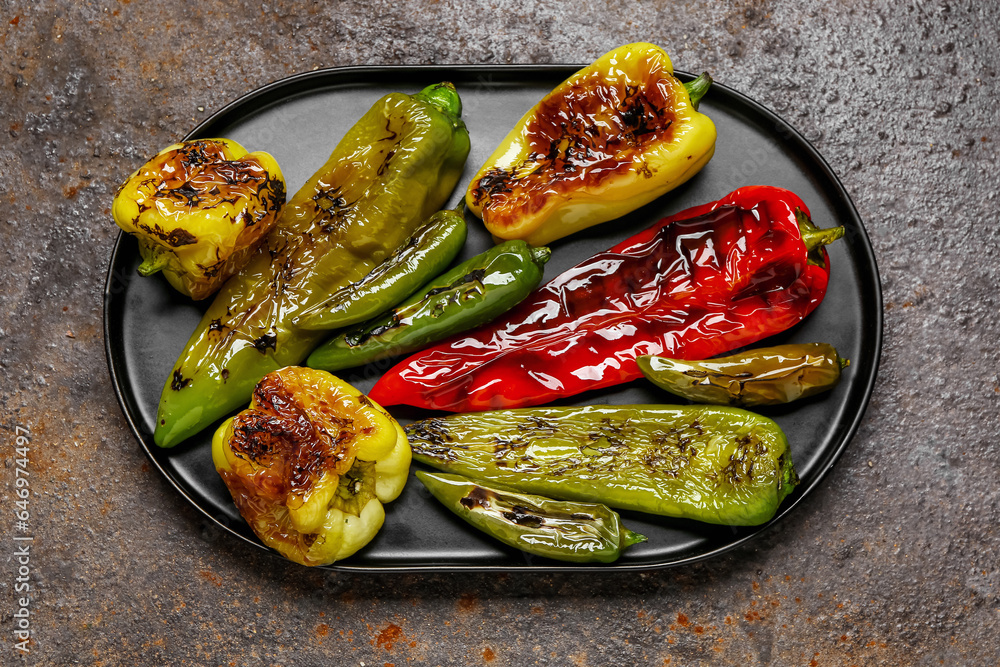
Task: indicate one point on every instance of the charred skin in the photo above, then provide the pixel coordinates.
(611, 138)
(393, 168)
(763, 376)
(310, 463)
(199, 209)
(714, 464)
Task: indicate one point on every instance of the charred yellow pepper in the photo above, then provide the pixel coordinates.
(310, 463)
(199, 209)
(611, 138)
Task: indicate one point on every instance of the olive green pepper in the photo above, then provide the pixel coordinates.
(424, 255)
(558, 529)
(765, 376)
(472, 293)
(713, 464)
(393, 168)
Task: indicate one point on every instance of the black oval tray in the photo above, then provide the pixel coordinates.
(301, 118)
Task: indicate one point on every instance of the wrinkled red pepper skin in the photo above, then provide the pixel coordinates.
(704, 281)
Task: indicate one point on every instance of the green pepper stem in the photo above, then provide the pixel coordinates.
(698, 87)
(152, 264)
(820, 237)
(540, 255)
(630, 537)
(813, 236)
(444, 96)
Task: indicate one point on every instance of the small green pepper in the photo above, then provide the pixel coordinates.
(472, 293)
(765, 376)
(718, 465)
(424, 255)
(576, 532)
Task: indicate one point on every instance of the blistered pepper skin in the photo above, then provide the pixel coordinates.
(699, 283)
(714, 464)
(424, 255)
(310, 463)
(763, 376)
(557, 529)
(396, 166)
(472, 293)
(199, 209)
(613, 137)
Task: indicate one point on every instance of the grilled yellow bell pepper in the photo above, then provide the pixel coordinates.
(310, 463)
(199, 209)
(611, 138)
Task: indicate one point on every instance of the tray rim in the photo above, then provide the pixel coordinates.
(304, 82)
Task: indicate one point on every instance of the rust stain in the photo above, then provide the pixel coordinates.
(683, 621)
(385, 639)
(322, 630)
(488, 654)
(17, 19)
(467, 602)
(208, 575)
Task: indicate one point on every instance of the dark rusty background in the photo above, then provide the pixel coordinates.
(893, 561)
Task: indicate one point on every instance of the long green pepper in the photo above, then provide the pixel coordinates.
(558, 529)
(472, 293)
(396, 166)
(719, 465)
(424, 255)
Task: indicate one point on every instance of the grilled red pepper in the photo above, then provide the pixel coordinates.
(699, 283)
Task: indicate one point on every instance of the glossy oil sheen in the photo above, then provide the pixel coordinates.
(719, 465)
(582, 134)
(472, 293)
(200, 208)
(424, 255)
(723, 275)
(147, 323)
(764, 376)
(395, 167)
(608, 140)
(561, 530)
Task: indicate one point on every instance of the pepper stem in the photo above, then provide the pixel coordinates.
(813, 236)
(629, 537)
(540, 255)
(153, 263)
(444, 96)
(698, 87)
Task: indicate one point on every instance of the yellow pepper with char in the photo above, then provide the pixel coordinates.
(611, 138)
(199, 209)
(310, 463)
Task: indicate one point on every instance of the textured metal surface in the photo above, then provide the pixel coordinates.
(893, 561)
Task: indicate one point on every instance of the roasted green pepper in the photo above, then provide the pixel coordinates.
(472, 293)
(424, 255)
(765, 376)
(713, 464)
(558, 529)
(199, 210)
(395, 167)
(310, 463)
(611, 138)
